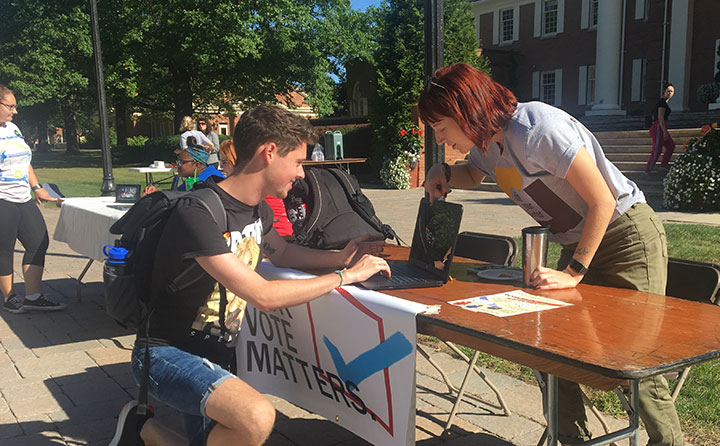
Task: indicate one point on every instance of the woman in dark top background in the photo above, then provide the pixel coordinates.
(659, 131)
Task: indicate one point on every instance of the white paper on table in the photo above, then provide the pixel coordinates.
(509, 303)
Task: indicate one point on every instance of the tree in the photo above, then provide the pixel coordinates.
(47, 58)
(191, 55)
(400, 63)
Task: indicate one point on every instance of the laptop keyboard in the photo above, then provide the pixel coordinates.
(403, 273)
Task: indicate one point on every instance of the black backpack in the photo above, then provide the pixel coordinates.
(128, 287)
(327, 209)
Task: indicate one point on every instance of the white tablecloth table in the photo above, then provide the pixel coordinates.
(84, 224)
(149, 171)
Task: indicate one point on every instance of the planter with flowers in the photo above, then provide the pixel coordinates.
(402, 158)
(693, 182)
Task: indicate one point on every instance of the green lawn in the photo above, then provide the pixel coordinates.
(698, 404)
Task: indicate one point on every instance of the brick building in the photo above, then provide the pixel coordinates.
(609, 57)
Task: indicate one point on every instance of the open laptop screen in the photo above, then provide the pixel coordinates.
(436, 230)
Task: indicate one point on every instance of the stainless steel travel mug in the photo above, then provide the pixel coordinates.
(534, 250)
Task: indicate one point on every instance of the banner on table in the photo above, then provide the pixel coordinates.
(348, 356)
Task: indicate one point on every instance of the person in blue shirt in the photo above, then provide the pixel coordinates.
(193, 166)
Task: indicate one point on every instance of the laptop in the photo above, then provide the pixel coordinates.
(431, 252)
(125, 196)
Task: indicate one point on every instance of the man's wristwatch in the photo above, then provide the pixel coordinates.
(578, 267)
(36, 187)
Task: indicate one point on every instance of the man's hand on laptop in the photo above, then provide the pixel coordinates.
(360, 246)
(366, 267)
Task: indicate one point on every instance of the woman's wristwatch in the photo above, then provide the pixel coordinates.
(36, 187)
(577, 266)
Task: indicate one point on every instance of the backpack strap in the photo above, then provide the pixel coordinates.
(210, 200)
(361, 204)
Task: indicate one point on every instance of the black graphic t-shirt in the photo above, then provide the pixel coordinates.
(188, 314)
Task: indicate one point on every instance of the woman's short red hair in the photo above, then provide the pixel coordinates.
(479, 105)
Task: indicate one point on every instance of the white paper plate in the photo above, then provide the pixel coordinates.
(500, 274)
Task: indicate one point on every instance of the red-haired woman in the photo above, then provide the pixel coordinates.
(549, 164)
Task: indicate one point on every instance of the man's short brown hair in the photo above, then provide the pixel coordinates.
(269, 123)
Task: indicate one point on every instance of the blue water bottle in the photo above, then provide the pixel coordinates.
(116, 258)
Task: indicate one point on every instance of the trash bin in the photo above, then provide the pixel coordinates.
(334, 146)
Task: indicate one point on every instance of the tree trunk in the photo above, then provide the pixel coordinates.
(182, 95)
(42, 144)
(121, 120)
(70, 130)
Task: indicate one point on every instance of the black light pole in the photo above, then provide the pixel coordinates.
(434, 45)
(108, 184)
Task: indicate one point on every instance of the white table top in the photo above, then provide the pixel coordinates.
(84, 224)
(149, 169)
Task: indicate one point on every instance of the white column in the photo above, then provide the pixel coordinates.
(679, 61)
(607, 59)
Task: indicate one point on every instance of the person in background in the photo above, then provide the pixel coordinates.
(192, 168)
(20, 217)
(205, 126)
(187, 128)
(659, 131)
(280, 219)
(553, 167)
(227, 156)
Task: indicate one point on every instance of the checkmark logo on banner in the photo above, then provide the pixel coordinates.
(380, 357)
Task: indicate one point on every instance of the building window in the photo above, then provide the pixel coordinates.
(641, 9)
(223, 128)
(590, 93)
(550, 17)
(593, 19)
(547, 87)
(637, 87)
(507, 25)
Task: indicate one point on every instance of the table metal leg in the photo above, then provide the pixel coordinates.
(78, 290)
(551, 402)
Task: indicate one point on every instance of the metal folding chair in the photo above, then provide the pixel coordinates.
(691, 280)
(498, 249)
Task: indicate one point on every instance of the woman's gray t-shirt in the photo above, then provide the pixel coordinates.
(540, 144)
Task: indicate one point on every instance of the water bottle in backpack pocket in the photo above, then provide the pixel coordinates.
(120, 287)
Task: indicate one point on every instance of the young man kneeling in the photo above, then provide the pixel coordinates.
(189, 357)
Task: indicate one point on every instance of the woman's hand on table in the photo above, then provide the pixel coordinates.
(551, 279)
(43, 195)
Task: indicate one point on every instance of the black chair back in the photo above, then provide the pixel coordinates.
(693, 280)
(491, 248)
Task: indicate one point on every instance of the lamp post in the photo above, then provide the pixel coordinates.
(108, 184)
(434, 45)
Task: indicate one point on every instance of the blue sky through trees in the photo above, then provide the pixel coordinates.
(362, 5)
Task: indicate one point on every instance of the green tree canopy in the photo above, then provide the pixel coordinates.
(47, 58)
(400, 61)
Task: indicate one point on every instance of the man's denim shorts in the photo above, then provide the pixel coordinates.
(184, 382)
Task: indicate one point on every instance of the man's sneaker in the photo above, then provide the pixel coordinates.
(42, 303)
(129, 425)
(14, 304)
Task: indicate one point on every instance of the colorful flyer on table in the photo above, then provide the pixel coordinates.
(509, 303)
